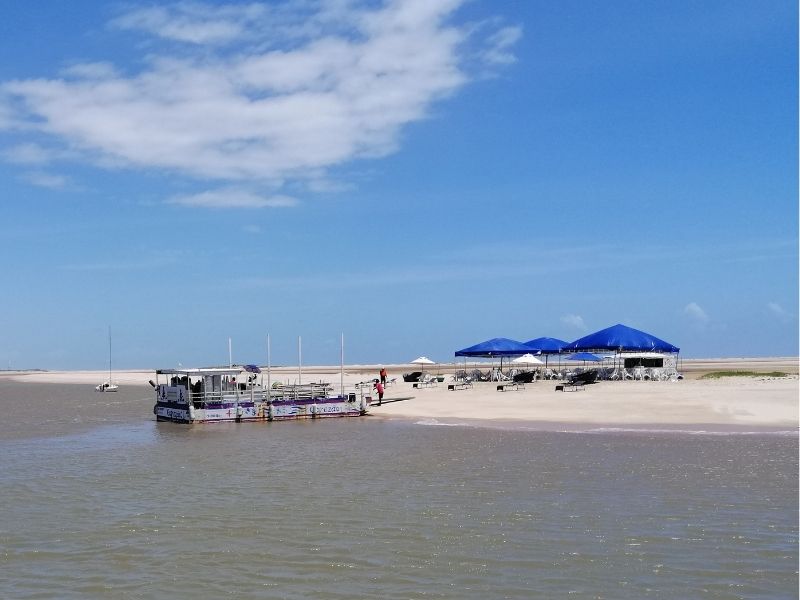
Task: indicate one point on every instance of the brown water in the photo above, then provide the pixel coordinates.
(100, 501)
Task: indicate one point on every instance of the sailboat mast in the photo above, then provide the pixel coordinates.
(341, 367)
(109, 355)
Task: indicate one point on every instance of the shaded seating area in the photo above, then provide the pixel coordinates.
(621, 353)
(494, 348)
(636, 355)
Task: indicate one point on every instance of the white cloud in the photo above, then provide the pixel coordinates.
(574, 321)
(95, 70)
(7, 118)
(696, 312)
(28, 154)
(47, 180)
(142, 264)
(193, 22)
(500, 46)
(233, 198)
(345, 81)
(776, 310)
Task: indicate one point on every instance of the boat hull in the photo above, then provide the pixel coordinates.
(278, 410)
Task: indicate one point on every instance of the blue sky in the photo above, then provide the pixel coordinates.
(418, 176)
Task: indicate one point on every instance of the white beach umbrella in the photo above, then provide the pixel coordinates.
(527, 359)
(422, 360)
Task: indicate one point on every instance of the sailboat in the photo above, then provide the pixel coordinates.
(107, 386)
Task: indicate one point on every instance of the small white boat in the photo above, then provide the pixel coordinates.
(108, 386)
(234, 394)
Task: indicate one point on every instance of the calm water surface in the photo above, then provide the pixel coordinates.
(100, 501)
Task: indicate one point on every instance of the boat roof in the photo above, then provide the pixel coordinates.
(201, 371)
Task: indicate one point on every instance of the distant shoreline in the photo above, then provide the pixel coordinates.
(691, 368)
(743, 404)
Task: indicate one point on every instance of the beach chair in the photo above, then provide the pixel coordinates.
(426, 380)
(477, 375)
(524, 377)
(583, 378)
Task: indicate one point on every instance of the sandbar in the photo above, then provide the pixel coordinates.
(759, 403)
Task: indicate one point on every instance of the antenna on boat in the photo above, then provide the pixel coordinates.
(230, 353)
(299, 360)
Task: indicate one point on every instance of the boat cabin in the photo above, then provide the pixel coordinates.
(206, 385)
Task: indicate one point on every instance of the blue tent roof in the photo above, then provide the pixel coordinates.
(495, 347)
(547, 345)
(622, 338)
(586, 356)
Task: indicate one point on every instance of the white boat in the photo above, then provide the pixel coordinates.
(108, 386)
(213, 395)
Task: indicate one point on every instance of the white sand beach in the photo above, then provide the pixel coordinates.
(729, 402)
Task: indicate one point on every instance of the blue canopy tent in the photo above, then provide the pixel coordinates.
(584, 356)
(546, 346)
(621, 338)
(495, 347)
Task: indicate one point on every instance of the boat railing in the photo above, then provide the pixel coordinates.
(304, 391)
(203, 397)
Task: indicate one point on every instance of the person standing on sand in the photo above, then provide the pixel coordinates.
(379, 388)
(383, 376)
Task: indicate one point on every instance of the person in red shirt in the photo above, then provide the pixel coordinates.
(383, 376)
(379, 388)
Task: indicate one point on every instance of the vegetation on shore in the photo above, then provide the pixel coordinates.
(720, 374)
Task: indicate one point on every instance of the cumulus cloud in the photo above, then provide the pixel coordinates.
(258, 93)
(574, 321)
(695, 311)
